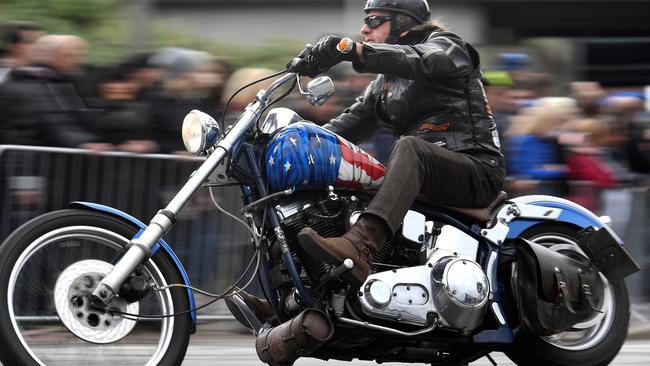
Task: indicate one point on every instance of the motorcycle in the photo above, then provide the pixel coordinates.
(537, 277)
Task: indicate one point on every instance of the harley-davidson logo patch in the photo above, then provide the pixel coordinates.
(434, 127)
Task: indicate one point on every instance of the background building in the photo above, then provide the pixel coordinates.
(605, 40)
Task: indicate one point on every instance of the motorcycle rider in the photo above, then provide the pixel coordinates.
(429, 91)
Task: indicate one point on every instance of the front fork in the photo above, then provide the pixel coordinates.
(139, 249)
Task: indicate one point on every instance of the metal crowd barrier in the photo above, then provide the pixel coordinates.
(635, 233)
(214, 249)
(35, 180)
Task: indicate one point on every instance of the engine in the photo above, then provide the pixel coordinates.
(327, 213)
(411, 282)
(449, 285)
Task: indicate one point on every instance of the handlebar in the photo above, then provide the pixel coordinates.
(264, 97)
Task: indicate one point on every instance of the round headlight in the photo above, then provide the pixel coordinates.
(200, 132)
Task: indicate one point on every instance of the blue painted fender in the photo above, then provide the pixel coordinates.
(571, 213)
(160, 245)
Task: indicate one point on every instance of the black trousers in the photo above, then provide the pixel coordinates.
(443, 176)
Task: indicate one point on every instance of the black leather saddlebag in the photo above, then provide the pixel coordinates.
(554, 291)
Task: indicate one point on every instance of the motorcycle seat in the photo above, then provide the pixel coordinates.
(481, 214)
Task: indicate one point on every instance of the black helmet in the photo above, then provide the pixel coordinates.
(416, 9)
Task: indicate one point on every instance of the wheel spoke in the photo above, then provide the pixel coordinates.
(37, 320)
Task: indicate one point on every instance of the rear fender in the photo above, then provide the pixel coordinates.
(522, 213)
(160, 245)
(570, 213)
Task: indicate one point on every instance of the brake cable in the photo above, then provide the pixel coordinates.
(229, 292)
(225, 109)
(256, 254)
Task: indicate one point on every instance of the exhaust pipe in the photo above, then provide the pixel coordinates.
(298, 337)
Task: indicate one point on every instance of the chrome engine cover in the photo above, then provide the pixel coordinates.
(450, 285)
(460, 292)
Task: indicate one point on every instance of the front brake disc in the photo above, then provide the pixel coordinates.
(72, 299)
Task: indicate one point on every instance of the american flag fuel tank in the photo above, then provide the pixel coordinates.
(304, 155)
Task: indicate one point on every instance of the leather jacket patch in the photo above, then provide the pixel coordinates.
(427, 126)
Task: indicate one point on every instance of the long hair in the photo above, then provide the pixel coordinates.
(416, 33)
(433, 24)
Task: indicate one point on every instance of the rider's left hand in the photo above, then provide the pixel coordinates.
(331, 50)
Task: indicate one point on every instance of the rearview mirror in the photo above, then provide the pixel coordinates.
(319, 90)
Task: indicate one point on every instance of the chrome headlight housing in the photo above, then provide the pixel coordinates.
(200, 132)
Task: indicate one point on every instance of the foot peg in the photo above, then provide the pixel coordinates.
(244, 315)
(347, 265)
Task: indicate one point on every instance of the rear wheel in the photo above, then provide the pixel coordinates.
(47, 269)
(593, 342)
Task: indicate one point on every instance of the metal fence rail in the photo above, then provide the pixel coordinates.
(36, 180)
(214, 250)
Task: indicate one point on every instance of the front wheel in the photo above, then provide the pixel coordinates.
(591, 343)
(47, 268)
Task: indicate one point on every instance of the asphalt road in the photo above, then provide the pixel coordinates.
(225, 343)
(237, 349)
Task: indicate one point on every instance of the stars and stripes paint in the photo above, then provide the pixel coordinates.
(304, 155)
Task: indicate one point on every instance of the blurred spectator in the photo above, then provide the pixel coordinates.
(189, 80)
(239, 102)
(638, 144)
(514, 61)
(17, 40)
(507, 99)
(533, 149)
(586, 162)
(124, 119)
(588, 95)
(39, 105)
(620, 111)
(588, 157)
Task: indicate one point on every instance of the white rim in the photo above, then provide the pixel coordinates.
(109, 239)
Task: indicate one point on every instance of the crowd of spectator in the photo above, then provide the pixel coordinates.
(50, 96)
(577, 145)
(586, 140)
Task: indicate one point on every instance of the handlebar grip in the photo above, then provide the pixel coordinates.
(303, 67)
(305, 51)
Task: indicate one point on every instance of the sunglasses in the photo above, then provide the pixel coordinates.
(374, 21)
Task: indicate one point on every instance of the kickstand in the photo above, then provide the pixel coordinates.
(494, 363)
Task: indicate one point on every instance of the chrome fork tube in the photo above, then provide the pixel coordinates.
(140, 247)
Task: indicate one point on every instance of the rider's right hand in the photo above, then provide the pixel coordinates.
(304, 66)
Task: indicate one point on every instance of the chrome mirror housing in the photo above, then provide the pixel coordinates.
(319, 90)
(278, 118)
(200, 132)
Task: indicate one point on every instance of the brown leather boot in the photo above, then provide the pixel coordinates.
(360, 243)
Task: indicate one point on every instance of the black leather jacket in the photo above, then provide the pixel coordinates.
(39, 106)
(430, 87)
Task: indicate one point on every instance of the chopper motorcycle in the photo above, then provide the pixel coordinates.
(537, 277)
